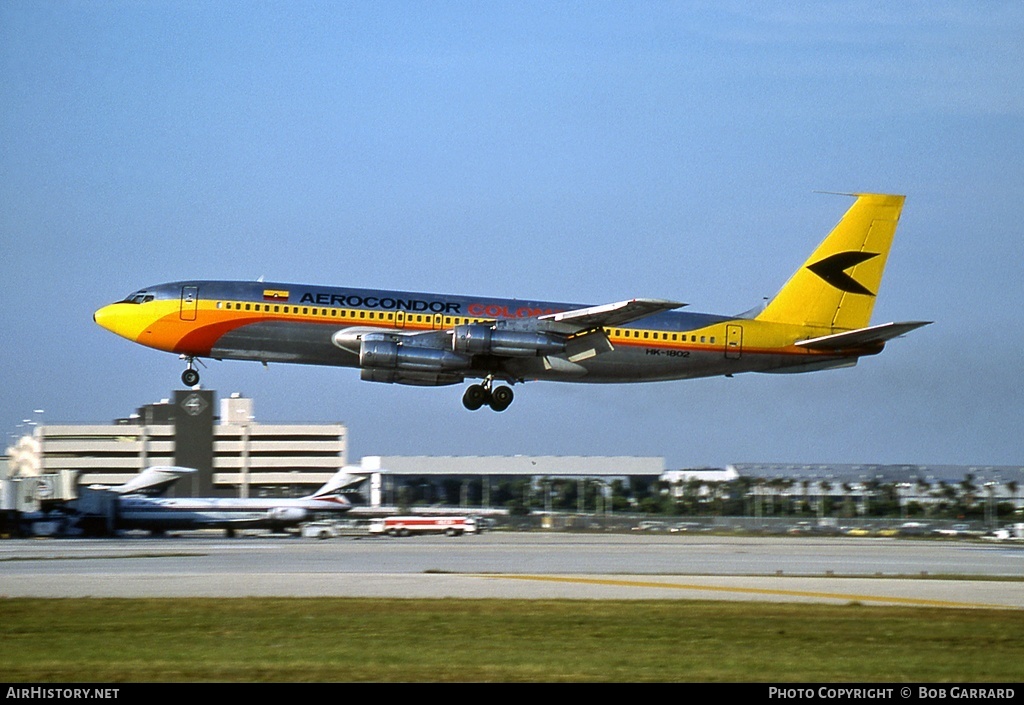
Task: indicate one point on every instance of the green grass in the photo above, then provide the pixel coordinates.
(342, 639)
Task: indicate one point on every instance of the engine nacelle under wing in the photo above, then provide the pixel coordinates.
(409, 377)
(477, 339)
(288, 514)
(389, 355)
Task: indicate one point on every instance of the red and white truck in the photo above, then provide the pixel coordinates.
(411, 525)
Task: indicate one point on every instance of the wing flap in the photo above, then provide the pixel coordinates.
(586, 346)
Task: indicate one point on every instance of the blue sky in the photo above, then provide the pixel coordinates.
(567, 151)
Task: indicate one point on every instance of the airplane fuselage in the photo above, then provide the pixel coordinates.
(277, 322)
(168, 514)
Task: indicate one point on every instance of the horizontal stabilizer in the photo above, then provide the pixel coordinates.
(862, 336)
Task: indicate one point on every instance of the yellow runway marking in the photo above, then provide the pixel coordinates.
(916, 601)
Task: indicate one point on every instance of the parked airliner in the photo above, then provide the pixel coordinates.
(159, 514)
(818, 320)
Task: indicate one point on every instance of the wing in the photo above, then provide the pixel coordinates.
(615, 314)
(572, 336)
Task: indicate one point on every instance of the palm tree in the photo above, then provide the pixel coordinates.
(692, 494)
(847, 499)
(826, 488)
(970, 493)
(951, 493)
(806, 501)
(924, 489)
(1011, 485)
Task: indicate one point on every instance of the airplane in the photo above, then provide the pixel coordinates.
(160, 514)
(819, 320)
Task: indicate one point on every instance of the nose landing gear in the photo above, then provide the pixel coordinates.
(477, 395)
(190, 377)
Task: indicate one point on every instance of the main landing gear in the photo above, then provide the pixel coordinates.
(190, 377)
(479, 394)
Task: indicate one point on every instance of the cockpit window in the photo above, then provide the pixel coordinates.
(139, 298)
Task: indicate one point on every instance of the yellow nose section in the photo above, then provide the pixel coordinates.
(127, 320)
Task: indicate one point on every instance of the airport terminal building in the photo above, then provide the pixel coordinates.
(484, 481)
(236, 456)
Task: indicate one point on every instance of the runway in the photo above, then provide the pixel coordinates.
(834, 570)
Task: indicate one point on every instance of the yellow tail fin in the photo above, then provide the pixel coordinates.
(835, 288)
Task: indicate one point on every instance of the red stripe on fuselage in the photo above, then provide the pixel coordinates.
(201, 339)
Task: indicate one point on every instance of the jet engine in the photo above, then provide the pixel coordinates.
(410, 377)
(390, 355)
(477, 339)
(287, 514)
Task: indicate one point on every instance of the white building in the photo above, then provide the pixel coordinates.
(235, 455)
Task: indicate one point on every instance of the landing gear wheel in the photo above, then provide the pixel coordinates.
(190, 377)
(475, 397)
(501, 397)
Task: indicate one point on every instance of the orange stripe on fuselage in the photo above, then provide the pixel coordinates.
(201, 336)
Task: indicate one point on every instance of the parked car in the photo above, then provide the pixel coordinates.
(321, 530)
(956, 530)
(651, 526)
(684, 526)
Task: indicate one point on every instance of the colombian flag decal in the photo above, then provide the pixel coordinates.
(275, 295)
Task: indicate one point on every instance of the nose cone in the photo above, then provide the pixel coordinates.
(106, 317)
(126, 320)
